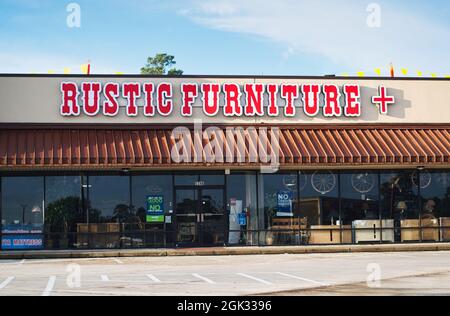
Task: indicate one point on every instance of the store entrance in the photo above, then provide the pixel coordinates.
(200, 216)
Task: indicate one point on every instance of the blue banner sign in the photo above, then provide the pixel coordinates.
(22, 237)
(22, 242)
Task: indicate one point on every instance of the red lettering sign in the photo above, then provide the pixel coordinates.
(250, 99)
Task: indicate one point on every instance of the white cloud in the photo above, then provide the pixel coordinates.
(334, 30)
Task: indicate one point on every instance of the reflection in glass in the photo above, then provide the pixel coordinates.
(435, 203)
(64, 211)
(319, 198)
(22, 212)
(360, 208)
(279, 209)
(23, 202)
(359, 196)
(243, 217)
(320, 205)
(157, 232)
(109, 198)
(398, 194)
(109, 207)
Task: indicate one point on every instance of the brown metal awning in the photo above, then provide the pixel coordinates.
(84, 147)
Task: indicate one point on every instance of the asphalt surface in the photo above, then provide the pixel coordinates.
(405, 273)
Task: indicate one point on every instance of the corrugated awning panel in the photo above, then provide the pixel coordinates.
(155, 147)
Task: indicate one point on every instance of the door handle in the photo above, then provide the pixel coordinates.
(203, 217)
(198, 218)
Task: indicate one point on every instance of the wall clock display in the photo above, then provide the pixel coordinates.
(425, 179)
(323, 182)
(303, 180)
(290, 181)
(363, 182)
(444, 179)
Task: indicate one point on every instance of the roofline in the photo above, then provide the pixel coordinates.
(169, 126)
(327, 77)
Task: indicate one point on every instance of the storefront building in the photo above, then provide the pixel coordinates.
(97, 162)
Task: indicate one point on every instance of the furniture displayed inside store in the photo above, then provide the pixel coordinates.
(330, 234)
(444, 223)
(366, 231)
(420, 230)
(106, 235)
(286, 227)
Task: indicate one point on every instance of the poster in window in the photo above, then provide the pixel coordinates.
(155, 209)
(284, 203)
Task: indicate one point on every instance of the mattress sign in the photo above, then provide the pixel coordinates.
(250, 100)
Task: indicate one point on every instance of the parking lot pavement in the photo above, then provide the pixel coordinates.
(302, 274)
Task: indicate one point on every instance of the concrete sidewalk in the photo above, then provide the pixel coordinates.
(250, 250)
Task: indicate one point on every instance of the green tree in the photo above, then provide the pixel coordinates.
(160, 64)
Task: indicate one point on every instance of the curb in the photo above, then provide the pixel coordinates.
(223, 251)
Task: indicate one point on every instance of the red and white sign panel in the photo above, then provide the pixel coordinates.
(233, 100)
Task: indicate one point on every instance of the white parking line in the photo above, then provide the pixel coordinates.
(403, 256)
(6, 282)
(198, 276)
(302, 279)
(118, 261)
(153, 278)
(255, 279)
(21, 262)
(104, 278)
(50, 285)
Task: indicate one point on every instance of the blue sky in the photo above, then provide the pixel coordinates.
(283, 37)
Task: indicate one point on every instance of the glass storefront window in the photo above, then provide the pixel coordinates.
(319, 197)
(242, 206)
(398, 194)
(319, 203)
(279, 209)
(435, 205)
(359, 196)
(360, 206)
(22, 212)
(435, 194)
(109, 199)
(64, 215)
(109, 207)
(152, 203)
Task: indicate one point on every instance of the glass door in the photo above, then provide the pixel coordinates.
(187, 216)
(212, 217)
(201, 216)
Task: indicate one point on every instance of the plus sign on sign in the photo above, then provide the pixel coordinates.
(382, 99)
